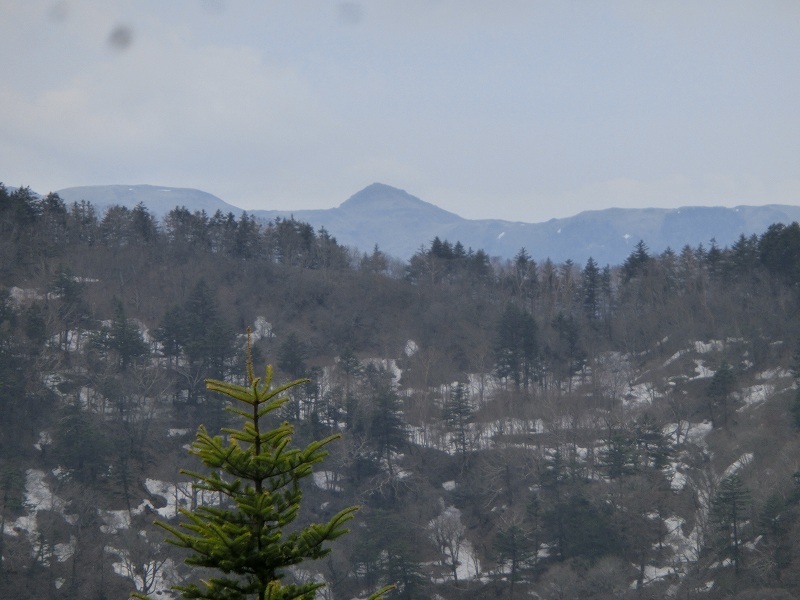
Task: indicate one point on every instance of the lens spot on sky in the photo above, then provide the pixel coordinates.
(120, 38)
(59, 11)
(351, 13)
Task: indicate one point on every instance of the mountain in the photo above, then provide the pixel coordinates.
(158, 199)
(400, 223)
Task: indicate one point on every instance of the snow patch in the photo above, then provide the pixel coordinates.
(184, 494)
(176, 432)
(326, 480)
(710, 346)
(756, 394)
(262, 329)
(772, 374)
(411, 348)
(449, 485)
(21, 296)
(743, 461)
(701, 371)
(696, 433)
(45, 439)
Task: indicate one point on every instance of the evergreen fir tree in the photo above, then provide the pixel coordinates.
(729, 510)
(514, 551)
(457, 414)
(257, 472)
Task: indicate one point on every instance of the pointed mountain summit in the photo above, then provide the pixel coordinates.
(382, 197)
(379, 214)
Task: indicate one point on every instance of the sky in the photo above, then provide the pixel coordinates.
(523, 110)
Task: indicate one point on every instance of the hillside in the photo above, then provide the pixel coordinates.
(510, 429)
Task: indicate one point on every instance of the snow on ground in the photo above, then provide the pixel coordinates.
(177, 432)
(115, 521)
(696, 433)
(74, 340)
(449, 485)
(678, 479)
(742, 461)
(449, 522)
(64, 551)
(710, 346)
(674, 357)
(262, 329)
(701, 371)
(684, 547)
(39, 497)
(45, 439)
(389, 364)
(480, 436)
(181, 495)
(156, 575)
(411, 348)
(756, 394)
(23, 296)
(640, 394)
(177, 496)
(326, 480)
(772, 374)
(652, 573)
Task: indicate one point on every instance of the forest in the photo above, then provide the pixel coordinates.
(509, 428)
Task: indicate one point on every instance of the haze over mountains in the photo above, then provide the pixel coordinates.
(400, 223)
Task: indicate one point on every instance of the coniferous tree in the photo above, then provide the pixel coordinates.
(387, 428)
(516, 346)
(257, 473)
(457, 414)
(719, 392)
(729, 510)
(514, 550)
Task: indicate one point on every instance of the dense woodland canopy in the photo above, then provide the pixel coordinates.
(494, 428)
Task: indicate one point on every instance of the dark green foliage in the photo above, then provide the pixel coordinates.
(591, 290)
(82, 444)
(654, 448)
(619, 456)
(515, 549)
(719, 391)
(457, 413)
(197, 332)
(516, 346)
(635, 263)
(387, 430)
(730, 510)
(122, 339)
(292, 356)
(445, 262)
(248, 539)
(579, 527)
(779, 250)
(388, 551)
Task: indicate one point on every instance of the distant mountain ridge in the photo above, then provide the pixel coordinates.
(159, 200)
(400, 223)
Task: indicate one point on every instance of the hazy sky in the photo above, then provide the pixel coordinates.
(520, 110)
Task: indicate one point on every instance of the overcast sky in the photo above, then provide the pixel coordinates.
(521, 110)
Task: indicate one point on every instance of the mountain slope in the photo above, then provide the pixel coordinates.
(400, 223)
